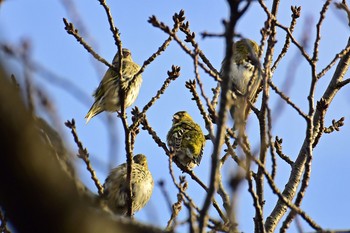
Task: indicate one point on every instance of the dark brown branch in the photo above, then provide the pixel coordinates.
(270, 144)
(177, 206)
(264, 116)
(322, 108)
(333, 62)
(335, 125)
(214, 101)
(156, 23)
(129, 153)
(288, 101)
(343, 6)
(318, 29)
(191, 85)
(278, 146)
(343, 83)
(208, 34)
(296, 43)
(69, 27)
(295, 15)
(84, 155)
(190, 38)
(115, 32)
(177, 18)
(137, 115)
(211, 109)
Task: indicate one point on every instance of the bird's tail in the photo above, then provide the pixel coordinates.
(239, 113)
(94, 110)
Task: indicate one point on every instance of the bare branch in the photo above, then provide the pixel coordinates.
(116, 35)
(343, 6)
(296, 43)
(190, 38)
(69, 27)
(154, 21)
(84, 155)
(318, 29)
(137, 115)
(335, 126)
(288, 101)
(333, 62)
(295, 15)
(191, 85)
(278, 146)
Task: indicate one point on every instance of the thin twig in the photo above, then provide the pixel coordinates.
(84, 155)
(115, 32)
(191, 85)
(322, 108)
(288, 101)
(343, 6)
(69, 27)
(207, 34)
(296, 43)
(278, 147)
(177, 206)
(318, 29)
(190, 38)
(172, 76)
(333, 62)
(295, 15)
(156, 23)
(335, 126)
(164, 191)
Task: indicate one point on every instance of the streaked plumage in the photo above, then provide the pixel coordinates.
(107, 93)
(244, 62)
(186, 139)
(115, 186)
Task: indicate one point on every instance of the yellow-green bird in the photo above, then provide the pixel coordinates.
(107, 93)
(116, 186)
(186, 139)
(244, 68)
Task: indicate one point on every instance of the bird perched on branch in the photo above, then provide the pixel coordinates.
(186, 139)
(116, 186)
(107, 96)
(246, 79)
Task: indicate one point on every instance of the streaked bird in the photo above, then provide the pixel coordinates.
(116, 186)
(246, 79)
(107, 93)
(186, 139)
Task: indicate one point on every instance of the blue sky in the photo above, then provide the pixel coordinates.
(40, 22)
